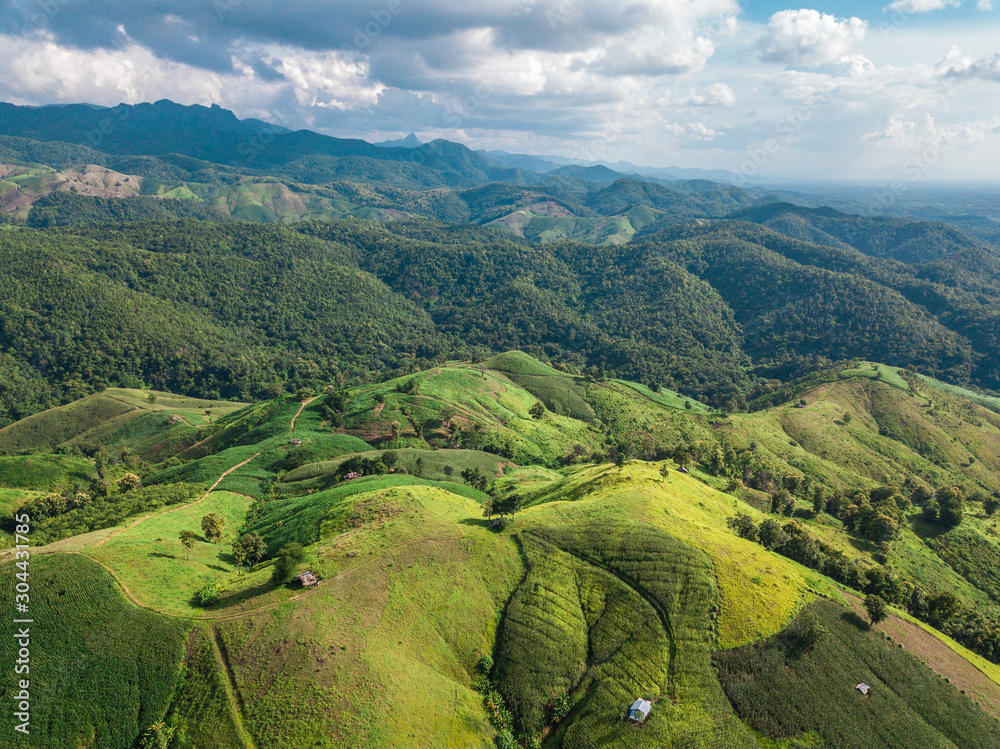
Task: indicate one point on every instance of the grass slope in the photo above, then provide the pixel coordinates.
(110, 417)
(382, 653)
(166, 579)
(758, 591)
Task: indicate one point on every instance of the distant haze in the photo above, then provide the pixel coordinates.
(903, 92)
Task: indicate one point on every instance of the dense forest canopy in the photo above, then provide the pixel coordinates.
(240, 310)
(394, 258)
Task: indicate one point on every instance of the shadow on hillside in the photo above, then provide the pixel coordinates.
(924, 530)
(862, 544)
(161, 555)
(851, 617)
(477, 522)
(241, 596)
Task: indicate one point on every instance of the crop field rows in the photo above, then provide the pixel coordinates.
(784, 687)
(610, 616)
(101, 669)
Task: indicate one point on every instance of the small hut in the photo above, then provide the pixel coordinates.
(351, 476)
(295, 442)
(639, 711)
(863, 688)
(308, 579)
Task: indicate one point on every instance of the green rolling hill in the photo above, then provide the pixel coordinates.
(609, 584)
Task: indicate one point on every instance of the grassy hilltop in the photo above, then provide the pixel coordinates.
(620, 575)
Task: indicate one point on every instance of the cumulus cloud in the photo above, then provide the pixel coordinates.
(957, 65)
(716, 95)
(809, 38)
(925, 133)
(45, 71)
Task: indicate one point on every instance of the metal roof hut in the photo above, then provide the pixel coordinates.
(639, 711)
(863, 688)
(308, 579)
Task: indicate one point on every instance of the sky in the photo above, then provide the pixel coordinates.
(908, 90)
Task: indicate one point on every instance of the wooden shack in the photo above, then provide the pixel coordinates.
(308, 579)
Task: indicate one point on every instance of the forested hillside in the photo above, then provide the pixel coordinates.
(241, 311)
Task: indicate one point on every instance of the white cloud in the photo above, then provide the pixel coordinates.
(43, 70)
(809, 38)
(985, 5)
(957, 65)
(923, 6)
(924, 133)
(856, 64)
(716, 95)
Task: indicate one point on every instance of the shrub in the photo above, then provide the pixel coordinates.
(875, 606)
(560, 708)
(128, 482)
(486, 664)
(287, 562)
(209, 593)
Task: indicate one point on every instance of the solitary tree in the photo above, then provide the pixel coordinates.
(495, 505)
(991, 505)
(187, 538)
(287, 562)
(951, 503)
(819, 501)
(875, 606)
(213, 525)
(488, 509)
(664, 471)
(537, 411)
(249, 549)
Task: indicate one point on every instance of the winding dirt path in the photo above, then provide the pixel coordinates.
(182, 507)
(301, 409)
(248, 612)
